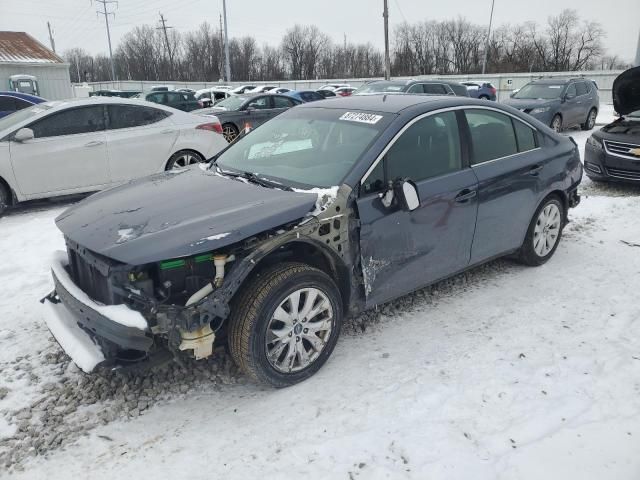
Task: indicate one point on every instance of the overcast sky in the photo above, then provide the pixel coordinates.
(76, 24)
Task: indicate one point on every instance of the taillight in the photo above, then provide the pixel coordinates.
(493, 90)
(212, 127)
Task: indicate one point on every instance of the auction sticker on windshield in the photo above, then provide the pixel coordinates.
(369, 118)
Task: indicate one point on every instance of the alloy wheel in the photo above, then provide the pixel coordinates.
(547, 230)
(299, 330)
(592, 119)
(556, 124)
(185, 160)
(229, 133)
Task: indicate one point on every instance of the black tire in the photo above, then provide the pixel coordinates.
(230, 132)
(527, 253)
(556, 123)
(252, 312)
(591, 120)
(5, 199)
(183, 159)
(483, 97)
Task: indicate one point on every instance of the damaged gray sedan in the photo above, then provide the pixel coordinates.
(329, 209)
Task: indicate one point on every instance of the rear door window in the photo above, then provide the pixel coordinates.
(70, 122)
(281, 102)
(434, 88)
(492, 135)
(581, 88)
(525, 135)
(128, 116)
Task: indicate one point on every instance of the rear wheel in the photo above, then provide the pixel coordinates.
(544, 233)
(483, 97)
(230, 132)
(556, 123)
(591, 120)
(182, 159)
(5, 199)
(285, 324)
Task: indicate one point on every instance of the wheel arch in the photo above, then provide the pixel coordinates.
(191, 150)
(303, 250)
(12, 196)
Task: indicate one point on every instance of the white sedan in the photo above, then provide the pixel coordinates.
(86, 145)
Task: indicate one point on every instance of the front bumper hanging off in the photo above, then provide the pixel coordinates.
(91, 333)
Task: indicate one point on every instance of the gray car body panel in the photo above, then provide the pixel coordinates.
(179, 214)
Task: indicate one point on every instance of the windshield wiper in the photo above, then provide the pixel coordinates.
(253, 178)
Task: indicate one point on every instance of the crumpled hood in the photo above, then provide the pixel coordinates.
(177, 214)
(626, 91)
(527, 103)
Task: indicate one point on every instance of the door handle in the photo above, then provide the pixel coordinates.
(95, 143)
(466, 195)
(535, 171)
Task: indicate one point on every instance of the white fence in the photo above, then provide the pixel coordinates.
(504, 82)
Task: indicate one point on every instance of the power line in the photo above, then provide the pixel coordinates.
(106, 20)
(400, 10)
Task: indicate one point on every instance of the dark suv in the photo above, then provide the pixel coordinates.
(184, 101)
(330, 208)
(613, 152)
(424, 87)
(559, 103)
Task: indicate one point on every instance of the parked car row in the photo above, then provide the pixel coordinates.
(86, 145)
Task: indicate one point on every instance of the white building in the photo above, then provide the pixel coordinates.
(21, 54)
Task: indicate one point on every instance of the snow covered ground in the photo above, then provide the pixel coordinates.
(505, 372)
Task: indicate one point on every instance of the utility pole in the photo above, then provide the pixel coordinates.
(486, 42)
(166, 39)
(344, 57)
(106, 20)
(637, 62)
(53, 43)
(387, 59)
(227, 65)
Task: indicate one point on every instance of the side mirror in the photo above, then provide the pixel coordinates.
(250, 109)
(23, 135)
(407, 194)
(569, 96)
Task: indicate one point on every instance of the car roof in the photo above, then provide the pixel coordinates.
(23, 96)
(553, 81)
(391, 103)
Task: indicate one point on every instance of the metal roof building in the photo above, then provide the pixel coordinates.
(21, 54)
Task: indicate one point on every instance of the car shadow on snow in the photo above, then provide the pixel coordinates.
(43, 205)
(70, 403)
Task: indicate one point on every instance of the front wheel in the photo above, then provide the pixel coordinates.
(556, 123)
(543, 235)
(230, 132)
(285, 324)
(591, 120)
